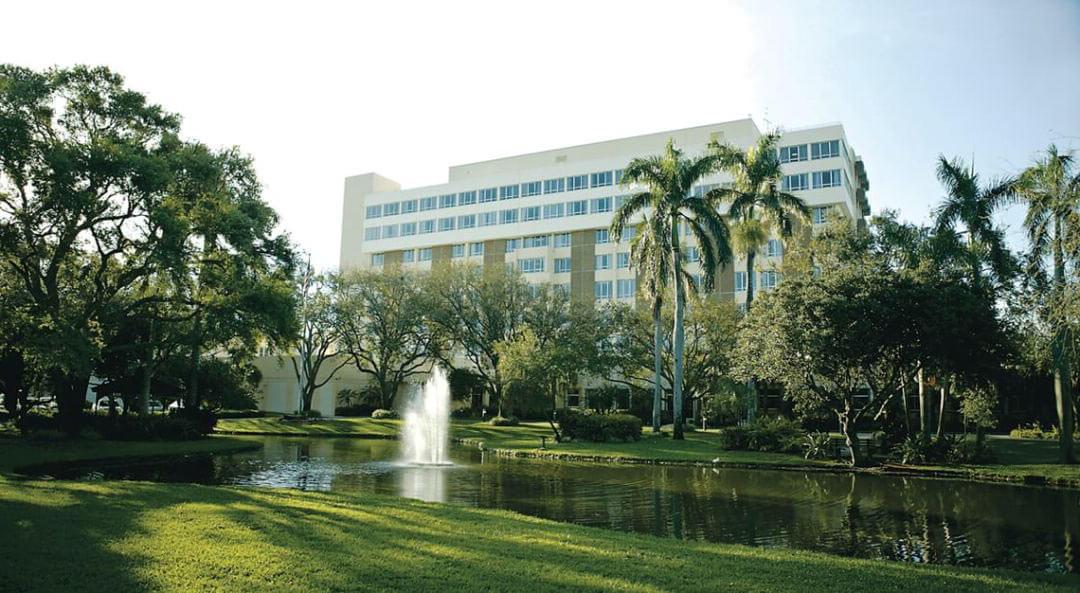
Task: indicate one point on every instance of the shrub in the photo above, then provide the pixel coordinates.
(503, 421)
(966, 452)
(313, 414)
(240, 414)
(917, 449)
(587, 426)
(362, 410)
(35, 420)
(816, 445)
(769, 435)
(382, 414)
(172, 427)
(1034, 431)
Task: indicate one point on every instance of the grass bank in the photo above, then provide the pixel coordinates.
(16, 452)
(1019, 460)
(132, 536)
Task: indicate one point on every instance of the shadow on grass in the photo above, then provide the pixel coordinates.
(127, 536)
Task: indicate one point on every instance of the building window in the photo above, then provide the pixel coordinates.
(564, 288)
(577, 208)
(562, 240)
(620, 200)
(390, 209)
(448, 201)
(603, 262)
(425, 254)
(601, 205)
(508, 192)
(774, 248)
(793, 154)
(408, 256)
(602, 236)
(601, 179)
(487, 195)
(795, 182)
(535, 241)
(577, 182)
(618, 176)
(457, 250)
(819, 214)
(372, 233)
(602, 290)
(408, 229)
(692, 254)
(446, 224)
(427, 226)
(628, 233)
(626, 288)
(740, 281)
(512, 245)
(408, 206)
(390, 231)
(530, 188)
(467, 197)
(769, 279)
(622, 259)
(377, 259)
(530, 213)
(816, 273)
(827, 178)
(508, 216)
(554, 186)
(824, 150)
(531, 265)
(427, 204)
(476, 249)
(553, 210)
(467, 221)
(489, 218)
(374, 211)
(562, 265)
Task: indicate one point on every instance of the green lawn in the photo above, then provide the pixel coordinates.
(356, 427)
(18, 452)
(114, 537)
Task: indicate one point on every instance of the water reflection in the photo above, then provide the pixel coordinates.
(911, 519)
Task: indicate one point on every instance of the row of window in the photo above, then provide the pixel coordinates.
(507, 216)
(817, 150)
(766, 279)
(491, 194)
(624, 289)
(815, 180)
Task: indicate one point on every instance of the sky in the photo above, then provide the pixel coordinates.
(316, 92)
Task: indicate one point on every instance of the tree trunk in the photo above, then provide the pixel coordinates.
(924, 406)
(658, 388)
(941, 409)
(191, 399)
(850, 438)
(679, 337)
(147, 374)
(70, 393)
(750, 253)
(1063, 397)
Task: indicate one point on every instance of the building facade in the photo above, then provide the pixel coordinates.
(547, 213)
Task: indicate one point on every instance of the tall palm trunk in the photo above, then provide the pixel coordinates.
(924, 406)
(148, 372)
(1063, 397)
(750, 254)
(679, 337)
(658, 388)
(944, 392)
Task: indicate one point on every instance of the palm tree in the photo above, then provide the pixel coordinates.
(667, 203)
(648, 256)
(1052, 191)
(757, 205)
(973, 207)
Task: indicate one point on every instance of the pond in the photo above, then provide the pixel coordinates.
(920, 520)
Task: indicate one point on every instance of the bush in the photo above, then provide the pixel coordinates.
(313, 414)
(816, 445)
(1034, 431)
(587, 426)
(382, 414)
(916, 449)
(769, 435)
(173, 427)
(355, 410)
(240, 414)
(35, 420)
(966, 452)
(502, 421)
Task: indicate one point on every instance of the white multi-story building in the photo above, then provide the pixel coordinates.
(547, 213)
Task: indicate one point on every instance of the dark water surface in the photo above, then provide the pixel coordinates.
(909, 519)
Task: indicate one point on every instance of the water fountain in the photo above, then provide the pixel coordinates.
(425, 438)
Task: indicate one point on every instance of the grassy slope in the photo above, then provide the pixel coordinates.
(18, 452)
(129, 536)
